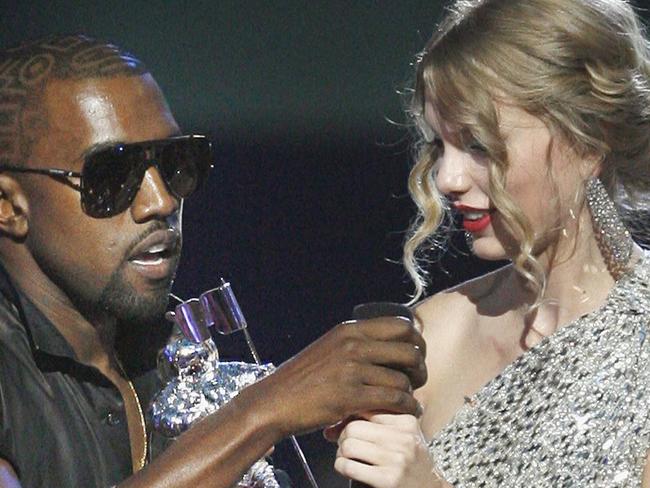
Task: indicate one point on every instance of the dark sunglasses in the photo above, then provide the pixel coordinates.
(111, 177)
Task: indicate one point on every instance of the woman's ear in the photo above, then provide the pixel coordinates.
(596, 169)
(14, 208)
(593, 166)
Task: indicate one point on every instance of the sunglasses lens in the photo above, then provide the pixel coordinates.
(184, 164)
(111, 177)
(110, 180)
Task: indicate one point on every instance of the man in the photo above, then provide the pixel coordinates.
(92, 175)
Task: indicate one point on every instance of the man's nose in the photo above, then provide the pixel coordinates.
(452, 176)
(153, 199)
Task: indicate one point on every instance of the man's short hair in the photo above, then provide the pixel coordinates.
(25, 71)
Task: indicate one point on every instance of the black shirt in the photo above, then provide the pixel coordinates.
(62, 424)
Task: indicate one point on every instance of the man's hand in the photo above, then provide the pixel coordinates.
(358, 366)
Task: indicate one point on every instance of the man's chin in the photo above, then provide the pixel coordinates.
(139, 314)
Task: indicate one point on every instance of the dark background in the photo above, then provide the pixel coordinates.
(306, 210)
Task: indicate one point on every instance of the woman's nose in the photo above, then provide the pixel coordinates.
(452, 176)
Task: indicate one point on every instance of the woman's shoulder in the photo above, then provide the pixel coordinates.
(459, 304)
(449, 322)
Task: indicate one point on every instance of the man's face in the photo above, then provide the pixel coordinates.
(121, 266)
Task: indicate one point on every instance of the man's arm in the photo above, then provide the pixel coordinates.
(356, 367)
(217, 450)
(370, 365)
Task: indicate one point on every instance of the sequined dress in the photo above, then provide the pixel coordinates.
(573, 411)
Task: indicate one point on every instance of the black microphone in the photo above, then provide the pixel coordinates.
(375, 310)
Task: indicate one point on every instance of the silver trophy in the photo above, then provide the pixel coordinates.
(198, 384)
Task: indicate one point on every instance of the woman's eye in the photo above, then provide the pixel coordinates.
(435, 148)
(433, 145)
(477, 149)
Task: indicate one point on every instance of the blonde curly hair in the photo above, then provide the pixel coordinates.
(581, 66)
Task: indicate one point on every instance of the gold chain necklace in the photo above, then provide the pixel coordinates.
(142, 459)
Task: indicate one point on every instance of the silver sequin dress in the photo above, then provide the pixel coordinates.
(573, 411)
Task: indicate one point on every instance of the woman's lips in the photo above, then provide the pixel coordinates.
(474, 219)
(476, 225)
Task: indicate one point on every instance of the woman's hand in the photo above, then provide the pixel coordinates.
(386, 451)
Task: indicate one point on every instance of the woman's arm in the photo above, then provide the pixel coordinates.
(646, 473)
(391, 450)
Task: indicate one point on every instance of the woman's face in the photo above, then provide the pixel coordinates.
(534, 155)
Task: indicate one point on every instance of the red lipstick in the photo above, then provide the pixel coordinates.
(477, 225)
(474, 219)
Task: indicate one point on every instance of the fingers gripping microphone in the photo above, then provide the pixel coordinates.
(375, 310)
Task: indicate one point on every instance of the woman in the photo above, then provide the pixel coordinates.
(535, 125)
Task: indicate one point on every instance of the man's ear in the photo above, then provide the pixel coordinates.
(14, 208)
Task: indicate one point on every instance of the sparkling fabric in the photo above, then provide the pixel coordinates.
(571, 412)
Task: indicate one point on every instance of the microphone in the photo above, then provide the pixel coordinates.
(375, 310)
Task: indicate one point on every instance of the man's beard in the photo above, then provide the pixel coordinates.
(141, 329)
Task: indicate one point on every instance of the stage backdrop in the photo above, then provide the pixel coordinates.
(306, 209)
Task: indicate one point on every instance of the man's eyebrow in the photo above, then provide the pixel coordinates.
(99, 146)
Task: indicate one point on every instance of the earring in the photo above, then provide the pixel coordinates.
(614, 240)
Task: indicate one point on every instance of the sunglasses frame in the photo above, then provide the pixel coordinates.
(150, 147)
